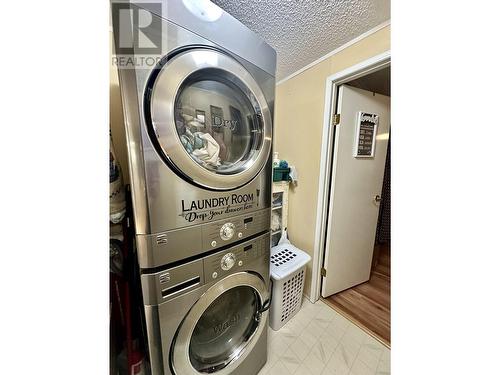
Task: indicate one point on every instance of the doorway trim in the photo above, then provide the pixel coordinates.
(332, 83)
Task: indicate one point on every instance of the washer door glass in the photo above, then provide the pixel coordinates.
(218, 121)
(224, 329)
(209, 119)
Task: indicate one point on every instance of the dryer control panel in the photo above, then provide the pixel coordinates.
(223, 232)
(227, 231)
(156, 250)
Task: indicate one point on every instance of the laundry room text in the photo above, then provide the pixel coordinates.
(208, 209)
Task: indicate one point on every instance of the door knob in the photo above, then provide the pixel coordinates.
(377, 198)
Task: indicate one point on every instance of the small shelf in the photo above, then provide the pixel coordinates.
(277, 207)
(275, 232)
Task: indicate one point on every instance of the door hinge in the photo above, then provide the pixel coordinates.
(323, 271)
(336, 119)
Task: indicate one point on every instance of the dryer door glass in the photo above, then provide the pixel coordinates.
(209, 119)
(224, 329)
(218, 121)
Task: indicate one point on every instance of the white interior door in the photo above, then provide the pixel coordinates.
(356, 181)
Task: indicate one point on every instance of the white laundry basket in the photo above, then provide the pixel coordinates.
(288, 271)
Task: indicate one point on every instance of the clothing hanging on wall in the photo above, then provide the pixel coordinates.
(384, 216)
(116, 190)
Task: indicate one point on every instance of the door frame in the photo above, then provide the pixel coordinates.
(332, 83)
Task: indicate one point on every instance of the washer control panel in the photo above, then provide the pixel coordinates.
(169, 283)
(224, 262)
(227, 262)
(227, 231)
(222, 232)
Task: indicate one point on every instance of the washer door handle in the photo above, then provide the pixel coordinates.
(266, 305)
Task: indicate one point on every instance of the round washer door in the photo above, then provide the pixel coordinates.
(222, 328)
(209, 119)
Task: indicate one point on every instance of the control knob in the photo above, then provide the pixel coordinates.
(227, 262)
(227, 231)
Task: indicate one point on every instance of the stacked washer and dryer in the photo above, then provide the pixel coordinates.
(199, 132)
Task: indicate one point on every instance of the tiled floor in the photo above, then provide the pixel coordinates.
(319, 341)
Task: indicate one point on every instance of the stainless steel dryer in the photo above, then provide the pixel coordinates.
(209, 315)
(199, 131)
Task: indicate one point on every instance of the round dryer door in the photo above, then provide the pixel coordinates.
(222, 327)
(209, 119)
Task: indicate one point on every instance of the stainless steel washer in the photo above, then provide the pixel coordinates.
(209, 315)
(199, 131)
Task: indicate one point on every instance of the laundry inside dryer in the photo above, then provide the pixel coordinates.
(217, 120)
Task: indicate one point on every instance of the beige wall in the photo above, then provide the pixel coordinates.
(298, 131)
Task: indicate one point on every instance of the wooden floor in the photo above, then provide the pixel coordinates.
(369, 304)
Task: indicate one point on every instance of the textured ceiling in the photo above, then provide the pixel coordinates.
(302, 31)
